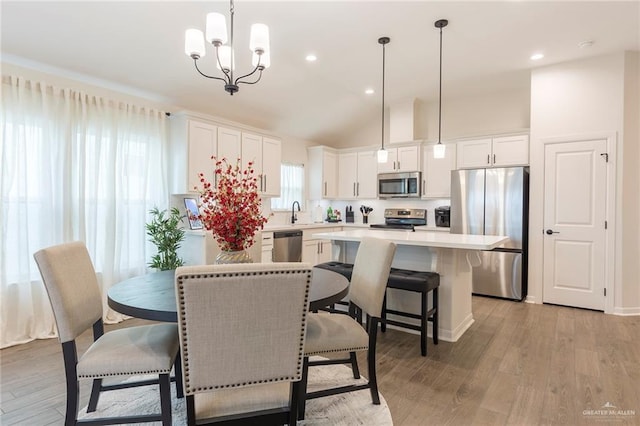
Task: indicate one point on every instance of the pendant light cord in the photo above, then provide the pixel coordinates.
(440, 92)
(383, 66)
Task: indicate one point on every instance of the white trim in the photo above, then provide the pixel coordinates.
(610, 238)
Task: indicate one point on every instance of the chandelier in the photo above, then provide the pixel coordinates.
(216, 34)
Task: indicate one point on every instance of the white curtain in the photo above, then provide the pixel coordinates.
(291, 186)
(74, 167)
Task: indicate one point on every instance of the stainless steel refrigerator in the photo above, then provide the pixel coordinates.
(494, 202)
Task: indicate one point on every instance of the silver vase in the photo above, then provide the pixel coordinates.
(237, 256)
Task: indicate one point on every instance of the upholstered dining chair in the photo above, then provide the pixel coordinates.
(72, 286)
(333, 333)
(242, 329)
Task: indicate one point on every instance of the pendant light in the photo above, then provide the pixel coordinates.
(382, 153)
(439, 148)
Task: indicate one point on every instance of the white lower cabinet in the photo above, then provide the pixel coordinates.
(316, 251)
(267, 247)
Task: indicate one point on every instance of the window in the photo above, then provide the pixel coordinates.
(291, 186)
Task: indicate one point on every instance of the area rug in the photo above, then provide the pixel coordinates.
(353, 408)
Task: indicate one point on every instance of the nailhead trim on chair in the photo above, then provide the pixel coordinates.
(97, 376)
(187, 389)
(363, 348)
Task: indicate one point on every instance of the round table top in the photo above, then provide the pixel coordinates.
(152, 296)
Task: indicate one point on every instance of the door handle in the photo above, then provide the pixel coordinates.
(551, 231)
(354, 189)
(358, 189)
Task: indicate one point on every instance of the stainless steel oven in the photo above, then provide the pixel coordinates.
(399, 185)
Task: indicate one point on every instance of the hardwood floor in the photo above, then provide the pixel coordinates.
(519, 364)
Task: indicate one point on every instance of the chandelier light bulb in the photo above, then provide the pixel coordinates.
(259, 38)
(216, 28)
(265, 59)
(194, 43)
(224, 53)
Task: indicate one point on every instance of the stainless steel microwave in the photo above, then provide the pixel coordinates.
(399, 185)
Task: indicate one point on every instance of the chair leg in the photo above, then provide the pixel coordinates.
(294, 402)
(177, 373)
(354, 365)
(435, 316)
(302, 398)
(423, 325)
(95, 395)
(70, 356)
(191, 410)
(371, 362)
(164, 381)
(383, 323)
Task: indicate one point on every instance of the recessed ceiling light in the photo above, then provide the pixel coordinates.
(536, 56)
(585, 44)
(311, 58)
(369, 91)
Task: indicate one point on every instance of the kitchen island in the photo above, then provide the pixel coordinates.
(450, 255)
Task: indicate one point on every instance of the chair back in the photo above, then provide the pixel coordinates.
(241, 324)
(72, 286)
(370, 274)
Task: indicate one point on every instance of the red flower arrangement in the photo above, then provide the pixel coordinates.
(231, 209)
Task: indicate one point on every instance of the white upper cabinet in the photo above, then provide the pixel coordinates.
(401, 159)
(271, 159)
(436, 172)
(367, 174)
(228, 145)
(323, 172)
(192, 144)
(493, 152)
(511, 151)
(265, 153)
(357, 172)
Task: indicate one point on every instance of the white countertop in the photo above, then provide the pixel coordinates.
(360, 225)
(424, 239)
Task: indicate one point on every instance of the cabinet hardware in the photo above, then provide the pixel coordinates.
(358, 189)
(325, 188)
(265, 183)
(394, 165)
(488, 159)
(423, 187)
(354, 189)
(605, 224)
(551, 231)
(494, 159)
(606, 156)
(398, 165)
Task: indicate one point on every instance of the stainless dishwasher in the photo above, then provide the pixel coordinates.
(287, 246)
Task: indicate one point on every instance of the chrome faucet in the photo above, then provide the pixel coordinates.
(293, 214)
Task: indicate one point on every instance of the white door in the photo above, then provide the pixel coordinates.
(575, 184)
(367, 185)
(229, 144)
(271, 158)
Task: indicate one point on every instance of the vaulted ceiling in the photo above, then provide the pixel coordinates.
(139, 46)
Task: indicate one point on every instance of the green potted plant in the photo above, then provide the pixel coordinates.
(166, 233)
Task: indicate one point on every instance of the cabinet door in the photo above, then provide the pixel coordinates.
(324, 248)
(367, 175)
(408, 159)
(229, 144)
(390, 165)
(271, 158)
(436, 172)
(202, 145)
(511, 151)
(474, 153)
(329, 173)
(310, 251)
(251, 150)
(347, 175)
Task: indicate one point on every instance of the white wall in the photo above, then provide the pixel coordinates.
(501, 112)
(578, 98)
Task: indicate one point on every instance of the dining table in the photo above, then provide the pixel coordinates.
(152, 296)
